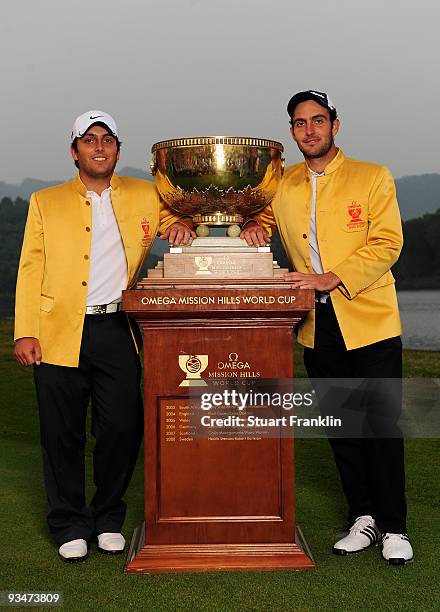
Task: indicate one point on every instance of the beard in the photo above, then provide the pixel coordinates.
(321, 152)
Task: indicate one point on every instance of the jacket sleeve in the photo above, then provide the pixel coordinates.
(384, 240)
(30, 276)
(266, 217)
(167, 217)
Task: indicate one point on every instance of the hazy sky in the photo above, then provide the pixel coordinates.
(170, 68)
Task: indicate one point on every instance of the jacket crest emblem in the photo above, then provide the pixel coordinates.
(354, 210)
(146, 239)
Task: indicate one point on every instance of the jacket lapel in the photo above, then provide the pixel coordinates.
(119, 204)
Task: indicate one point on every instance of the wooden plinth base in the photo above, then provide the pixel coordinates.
(175, 558)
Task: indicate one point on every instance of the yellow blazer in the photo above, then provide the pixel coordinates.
(359, 234)
(54, 265)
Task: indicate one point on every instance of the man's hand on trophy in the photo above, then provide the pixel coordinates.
(320, 282)
(28, 351)
(178, 233)
(254, 234)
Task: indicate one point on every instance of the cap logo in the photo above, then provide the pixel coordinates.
(85, 121)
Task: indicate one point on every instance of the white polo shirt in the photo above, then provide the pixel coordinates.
(108, 264)
(313, 242)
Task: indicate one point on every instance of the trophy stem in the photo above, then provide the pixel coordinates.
(218, 218)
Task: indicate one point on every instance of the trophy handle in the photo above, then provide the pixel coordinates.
(153, 164)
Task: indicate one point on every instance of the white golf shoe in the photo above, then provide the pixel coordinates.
(397, 549)
(73, 551)
(363, 534)
(111, 543)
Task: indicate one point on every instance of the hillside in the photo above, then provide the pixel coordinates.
(29, 185)
(417, 194)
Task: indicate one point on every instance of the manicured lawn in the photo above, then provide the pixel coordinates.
(29, 562)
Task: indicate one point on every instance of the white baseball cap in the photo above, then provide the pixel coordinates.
(84, 121)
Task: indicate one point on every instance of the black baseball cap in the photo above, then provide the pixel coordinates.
(311, 94)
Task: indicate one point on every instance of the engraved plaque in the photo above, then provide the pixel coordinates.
(203, 471)
(218, 265)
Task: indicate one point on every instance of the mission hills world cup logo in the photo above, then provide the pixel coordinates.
(146, 240)
(193, 366)
(354, 212)
(203, 264)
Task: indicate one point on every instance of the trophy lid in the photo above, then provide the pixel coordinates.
(215, 140)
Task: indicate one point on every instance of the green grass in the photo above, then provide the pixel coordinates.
(29, 562)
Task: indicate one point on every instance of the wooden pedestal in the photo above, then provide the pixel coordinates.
(214, 504)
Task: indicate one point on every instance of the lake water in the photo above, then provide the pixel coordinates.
(420, 312)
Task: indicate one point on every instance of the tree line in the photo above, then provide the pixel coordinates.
(418, 266)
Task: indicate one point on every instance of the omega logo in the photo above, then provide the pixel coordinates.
(233, 363)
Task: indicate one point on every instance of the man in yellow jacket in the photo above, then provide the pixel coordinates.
(84, 242)
(339, 222)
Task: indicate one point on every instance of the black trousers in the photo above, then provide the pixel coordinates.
(371, 467)
(108, 374)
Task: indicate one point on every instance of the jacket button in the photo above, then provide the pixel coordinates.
(304, 236)
(84, 284)
(87, 229)
(87, 203)
(86, 256)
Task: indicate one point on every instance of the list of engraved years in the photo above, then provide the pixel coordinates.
(176, 421)
(181, 422)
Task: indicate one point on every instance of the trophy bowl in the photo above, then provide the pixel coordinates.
(217, 180)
